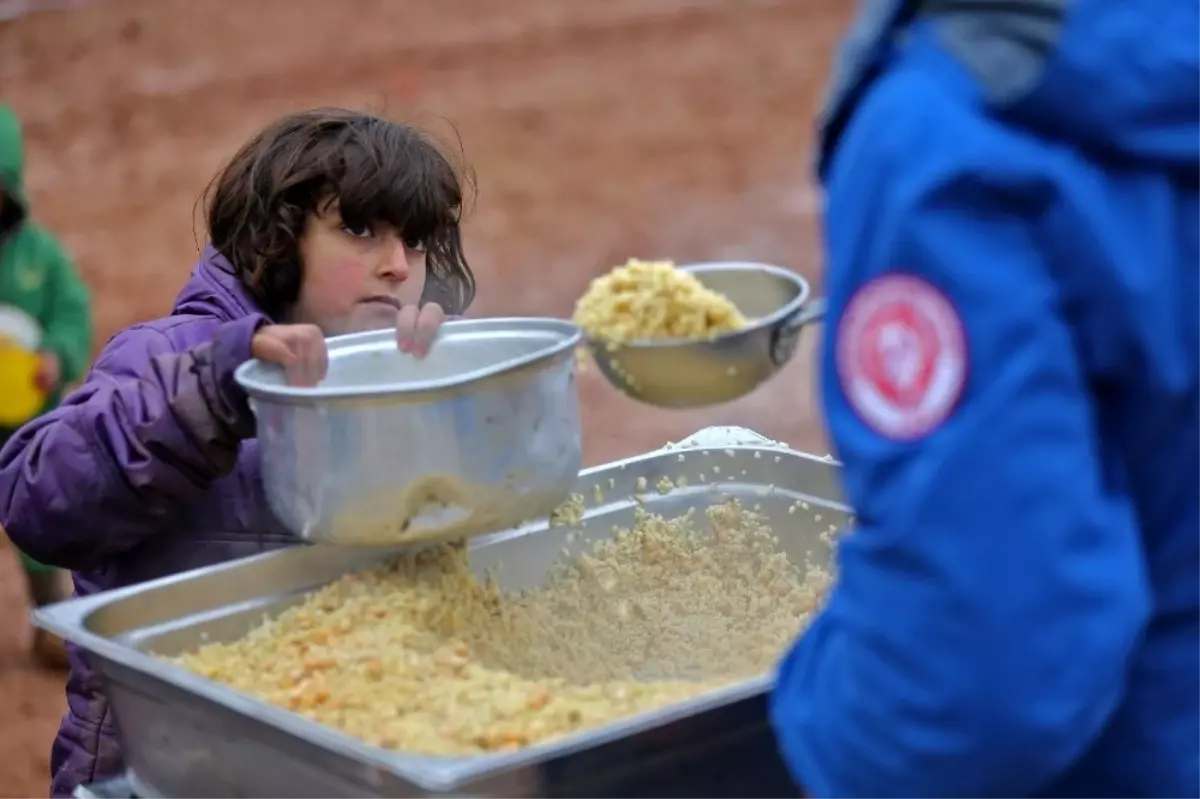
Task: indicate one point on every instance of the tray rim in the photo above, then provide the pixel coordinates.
(446, 773)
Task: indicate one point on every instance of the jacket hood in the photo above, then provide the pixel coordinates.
(1125, 79)
(1118, 78)
(215, 290)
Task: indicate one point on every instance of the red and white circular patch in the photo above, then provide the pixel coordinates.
(901, 356)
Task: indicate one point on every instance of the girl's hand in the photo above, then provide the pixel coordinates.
(416, 327)
(299, 349)
(49, 372)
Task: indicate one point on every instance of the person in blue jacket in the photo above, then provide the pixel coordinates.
(1010, 378)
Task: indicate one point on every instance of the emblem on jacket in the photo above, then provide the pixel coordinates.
(29, 278)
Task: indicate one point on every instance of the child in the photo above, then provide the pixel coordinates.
(38, 279)
(317, 227)
(1012, 380)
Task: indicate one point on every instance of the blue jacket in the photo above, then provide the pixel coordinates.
(1010, 376)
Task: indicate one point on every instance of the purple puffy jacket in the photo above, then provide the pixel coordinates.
(148, 469)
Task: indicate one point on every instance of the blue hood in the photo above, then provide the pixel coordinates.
(1124, 80)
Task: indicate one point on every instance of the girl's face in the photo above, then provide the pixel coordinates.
(354, 280)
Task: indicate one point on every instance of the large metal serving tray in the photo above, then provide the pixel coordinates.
(183, 735)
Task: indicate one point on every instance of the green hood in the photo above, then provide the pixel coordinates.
(12, 170)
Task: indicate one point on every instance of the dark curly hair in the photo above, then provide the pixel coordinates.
(374, 169)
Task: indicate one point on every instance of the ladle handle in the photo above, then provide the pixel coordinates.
(785, 336)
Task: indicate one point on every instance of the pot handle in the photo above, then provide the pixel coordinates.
(787, 332)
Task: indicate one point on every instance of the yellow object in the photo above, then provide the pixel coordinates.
(20, 399)
(648, 300)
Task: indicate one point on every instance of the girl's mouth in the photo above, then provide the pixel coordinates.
(382, 299)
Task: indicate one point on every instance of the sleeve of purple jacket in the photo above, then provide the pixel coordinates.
(149, 430)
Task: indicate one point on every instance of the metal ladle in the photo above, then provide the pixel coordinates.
(683, 373)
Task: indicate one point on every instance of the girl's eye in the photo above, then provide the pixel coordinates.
(361, 232)
(416, 245)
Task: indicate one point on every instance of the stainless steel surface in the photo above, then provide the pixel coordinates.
(481, 435)
(684, 374)
(787, 334)
(188, 736)
(118, 788)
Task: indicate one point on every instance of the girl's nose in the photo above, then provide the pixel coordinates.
(395, 264)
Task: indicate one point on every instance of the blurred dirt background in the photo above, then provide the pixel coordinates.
(598, 131)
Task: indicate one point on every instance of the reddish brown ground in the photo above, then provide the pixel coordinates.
(598, 131)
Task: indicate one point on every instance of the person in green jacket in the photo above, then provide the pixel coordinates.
(38, 278)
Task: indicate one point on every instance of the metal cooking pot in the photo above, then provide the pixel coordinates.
(481, 435)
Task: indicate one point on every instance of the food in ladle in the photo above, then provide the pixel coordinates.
(654, 300)
(421, 656)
